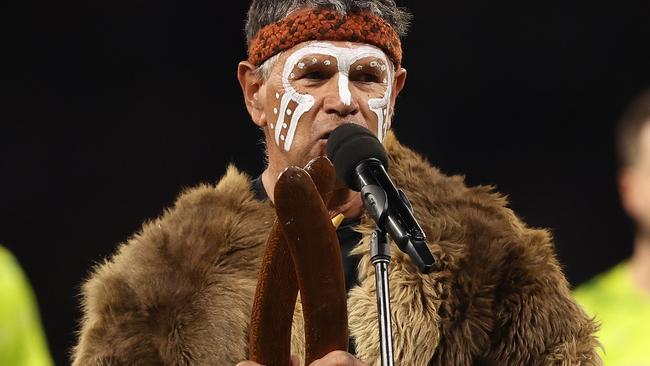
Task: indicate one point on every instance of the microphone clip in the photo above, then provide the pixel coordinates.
(393, 213)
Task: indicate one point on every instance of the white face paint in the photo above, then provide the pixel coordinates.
(345, 57)
(380, 105)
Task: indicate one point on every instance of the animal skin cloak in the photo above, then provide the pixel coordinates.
(180, 291)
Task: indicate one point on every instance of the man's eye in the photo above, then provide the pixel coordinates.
(314, 75)
(366, 78)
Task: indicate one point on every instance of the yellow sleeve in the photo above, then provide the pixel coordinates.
(22, 341)
(624, 316)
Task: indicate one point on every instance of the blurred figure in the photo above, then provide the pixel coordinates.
(620, 298)
(22, 341)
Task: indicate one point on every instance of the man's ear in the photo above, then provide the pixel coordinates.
(627, 190)
(253, 91)
(398, 85)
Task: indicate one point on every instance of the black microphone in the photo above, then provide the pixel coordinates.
(360, 162)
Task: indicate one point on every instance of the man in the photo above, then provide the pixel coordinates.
(620, 298)
(180, 291)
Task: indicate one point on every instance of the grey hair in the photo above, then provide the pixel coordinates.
(264, 12)
(263, 71)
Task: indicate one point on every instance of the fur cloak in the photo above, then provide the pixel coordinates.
(180, 291)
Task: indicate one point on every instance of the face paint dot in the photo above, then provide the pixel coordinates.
(301, 65)
(288, 112)
(292, 75)
(373, 64)
(271, 125)
(383, 67)
(282, 137)
(275, 110)
(327, 62)
(359, 67)
(385, 81)
(314, 60)
(284, 125)
(277, 95)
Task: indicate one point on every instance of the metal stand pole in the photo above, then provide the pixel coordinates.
(380, 257)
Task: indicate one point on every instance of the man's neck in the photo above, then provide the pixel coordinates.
(343, 201)
(269, 177)
(640, 262)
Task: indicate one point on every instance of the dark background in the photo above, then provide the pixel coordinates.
(113, 107)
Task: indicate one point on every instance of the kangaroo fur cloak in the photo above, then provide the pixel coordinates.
(180, 291)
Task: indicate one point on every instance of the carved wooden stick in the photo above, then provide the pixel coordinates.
(302, 243)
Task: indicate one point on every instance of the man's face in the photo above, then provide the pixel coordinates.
(636, 183)
(317, 86)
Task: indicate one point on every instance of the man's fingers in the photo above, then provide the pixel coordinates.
(338, 358)
(295, 361)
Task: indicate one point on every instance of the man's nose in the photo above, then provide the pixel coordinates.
(339, 100)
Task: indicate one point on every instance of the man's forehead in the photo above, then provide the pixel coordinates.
(338, 48)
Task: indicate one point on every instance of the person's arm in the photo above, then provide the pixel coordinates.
(515, 300)
(537, 320)
(22, 341)
(503, 299)
(180, 290)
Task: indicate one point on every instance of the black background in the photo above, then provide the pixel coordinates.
(111, 108)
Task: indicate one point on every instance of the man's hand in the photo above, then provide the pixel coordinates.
(338, 358)
(334, 358)
(294, 362)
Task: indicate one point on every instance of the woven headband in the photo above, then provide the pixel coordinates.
(330, 25)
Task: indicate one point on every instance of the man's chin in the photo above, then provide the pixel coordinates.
(300, 156)
(321, 145)
(318, 149)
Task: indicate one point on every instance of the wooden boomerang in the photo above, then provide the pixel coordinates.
(302, 253)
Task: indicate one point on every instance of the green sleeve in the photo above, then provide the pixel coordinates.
(22, 341)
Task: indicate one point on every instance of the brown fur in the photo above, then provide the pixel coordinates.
(180, 291)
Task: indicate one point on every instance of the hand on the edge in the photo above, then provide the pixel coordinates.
(294, 362)
(335, 358)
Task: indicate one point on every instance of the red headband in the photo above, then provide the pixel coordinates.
(327, 25)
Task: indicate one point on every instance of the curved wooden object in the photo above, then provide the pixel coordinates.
(302, 253)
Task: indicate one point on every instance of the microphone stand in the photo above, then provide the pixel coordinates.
(399, 222)
(380, 257)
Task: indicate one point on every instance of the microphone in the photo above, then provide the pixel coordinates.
(360, 162)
